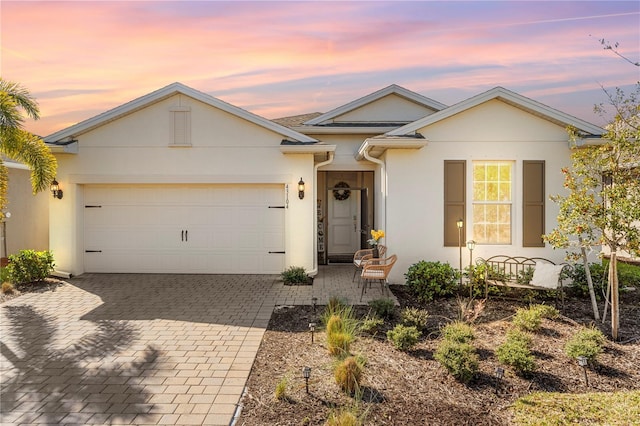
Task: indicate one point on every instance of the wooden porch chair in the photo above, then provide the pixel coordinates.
(377, 270)
(362, 256)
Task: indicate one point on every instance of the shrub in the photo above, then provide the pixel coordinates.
(428, 280)
(29, 266)
(579, 278)
(7, 287)
(336, 304)
(415, 317)
(458, 332)
(546, 311)
(515, 353)
(342, 328)
(371, 324)
(339, 343)
(403, 337)
(587, 342)
(383, 308)
(348, 373)
(460, 359)
(345, 417)
(527, 319)
(281, 389)
(4, 274)
(295, 275)
(530, 319)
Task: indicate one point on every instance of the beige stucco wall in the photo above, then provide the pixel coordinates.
(225, 149)
(28, 226)
(491, 131)
(391, 108)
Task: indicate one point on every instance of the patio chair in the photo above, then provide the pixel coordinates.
(377, 270)
(361, 257)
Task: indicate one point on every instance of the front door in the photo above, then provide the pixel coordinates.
(343, 219)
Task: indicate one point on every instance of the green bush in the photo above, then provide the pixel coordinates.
(587, 342)
(403, 337)
(515, 353)
(458, 332)
(415, 317)
(530, 319)
(527, 319)
(29, 266)
(281, 389)
(428, 280)
(460, 359)
(371, 324)
(383, 308)
(295, 275)
(579, 279)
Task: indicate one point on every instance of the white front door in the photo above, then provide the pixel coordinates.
(343, 222)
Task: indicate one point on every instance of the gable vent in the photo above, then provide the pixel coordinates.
(180, 125)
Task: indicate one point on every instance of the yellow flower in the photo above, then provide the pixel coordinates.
(377, 234)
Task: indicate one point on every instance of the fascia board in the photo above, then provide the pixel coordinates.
(401, 91)
(390, 143)
(337, 130)
(164, 93)
(505, 95)
(307, 149)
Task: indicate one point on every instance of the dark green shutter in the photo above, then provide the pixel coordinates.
(454, 199)
(533, 200)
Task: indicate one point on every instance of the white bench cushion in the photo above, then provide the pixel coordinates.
(546, 275)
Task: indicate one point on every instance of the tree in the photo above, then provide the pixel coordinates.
(18, 144)
(603, 204)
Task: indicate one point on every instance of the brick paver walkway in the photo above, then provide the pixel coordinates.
(143, 349)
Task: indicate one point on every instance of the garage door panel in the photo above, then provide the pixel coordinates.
(184, 229)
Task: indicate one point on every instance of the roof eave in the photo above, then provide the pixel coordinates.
(377, 146)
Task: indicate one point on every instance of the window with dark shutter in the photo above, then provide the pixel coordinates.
(454, 200)
(533, 200)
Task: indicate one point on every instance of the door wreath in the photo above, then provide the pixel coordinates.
(339, 193)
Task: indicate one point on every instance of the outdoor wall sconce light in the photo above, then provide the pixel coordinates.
(582, 362)
(301, 189)
(55, 190)
(306, 373)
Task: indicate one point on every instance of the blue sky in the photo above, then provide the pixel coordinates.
(284, 58)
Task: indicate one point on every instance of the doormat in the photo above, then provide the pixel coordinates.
(341, 258)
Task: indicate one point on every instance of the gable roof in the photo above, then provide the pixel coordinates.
(509, 97)
(358, 103)
(164, 93)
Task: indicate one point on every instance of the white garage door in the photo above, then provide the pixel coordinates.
(184, 228)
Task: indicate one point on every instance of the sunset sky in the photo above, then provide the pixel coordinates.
(275, 59)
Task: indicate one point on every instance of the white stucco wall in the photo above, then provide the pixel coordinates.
(28, 226)
(491, 131)
(391, 108)
(136, 149)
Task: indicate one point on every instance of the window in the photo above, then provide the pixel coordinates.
(492, 201)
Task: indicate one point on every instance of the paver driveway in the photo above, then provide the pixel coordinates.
(142, 349)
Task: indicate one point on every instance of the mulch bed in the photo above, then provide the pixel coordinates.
(410, 388)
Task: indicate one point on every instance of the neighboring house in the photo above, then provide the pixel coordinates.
(180, 182)
(28, 223)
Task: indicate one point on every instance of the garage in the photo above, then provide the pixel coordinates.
(198, 229)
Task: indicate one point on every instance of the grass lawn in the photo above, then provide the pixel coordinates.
(598, 408)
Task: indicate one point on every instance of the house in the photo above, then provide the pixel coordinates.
(178, 181)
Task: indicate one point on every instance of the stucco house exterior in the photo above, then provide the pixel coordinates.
(178, 181)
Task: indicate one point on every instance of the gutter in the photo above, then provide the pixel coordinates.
(314, 271)
(383, 182)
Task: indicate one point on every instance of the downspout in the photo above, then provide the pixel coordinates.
(314, 271)
(383, 184)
